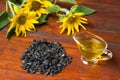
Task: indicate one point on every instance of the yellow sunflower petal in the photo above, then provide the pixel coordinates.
(31, 27)
(69, 29)
(23, 31)
(16, 9)
(79, 14)
(83, 22)
(28, 0)
(76, 27)
(41, 11)
(31, 15)
(11, 27)
(17, 31)
(82, 26)
(72, 30)
(63, 28)
(32, 21)
(83, 18)
(28, 29)
(47, 4)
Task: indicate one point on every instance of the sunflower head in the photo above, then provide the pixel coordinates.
(72, 22)
(23, 21)
(72, 19)
(35, 5)
(39, 6)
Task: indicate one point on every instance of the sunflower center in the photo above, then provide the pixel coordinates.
(72, 19)
(35, 5)
(21, 19)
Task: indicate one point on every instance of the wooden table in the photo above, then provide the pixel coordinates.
(105, 23)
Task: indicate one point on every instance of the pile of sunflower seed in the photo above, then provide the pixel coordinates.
(45, 57)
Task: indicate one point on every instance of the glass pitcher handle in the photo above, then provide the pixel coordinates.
(107, 55)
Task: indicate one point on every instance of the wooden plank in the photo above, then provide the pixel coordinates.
(104, 23)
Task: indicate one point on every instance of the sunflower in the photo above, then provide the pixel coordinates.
(23, 21)
(72, 22)
(38, 6)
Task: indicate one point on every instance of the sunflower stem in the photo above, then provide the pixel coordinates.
(55, 1)
(11, 7)
(7, 5)
(65, 10)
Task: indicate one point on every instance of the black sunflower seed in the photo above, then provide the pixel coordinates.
(45, 57)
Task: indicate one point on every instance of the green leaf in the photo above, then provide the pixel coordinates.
(73, 8)
(17, 2)
(9, 34)
(4, 19)
(42, 19)
(53, 9)
(70, 1)
(52, 1)
(83, 9)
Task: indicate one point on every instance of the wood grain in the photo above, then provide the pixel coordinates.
(105, 23)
